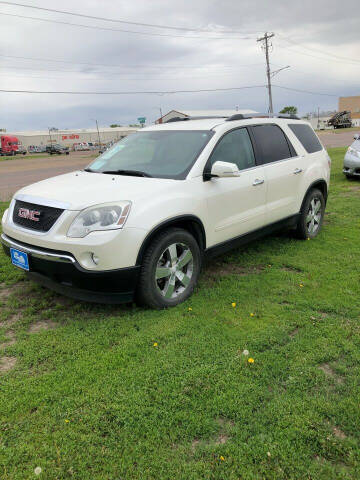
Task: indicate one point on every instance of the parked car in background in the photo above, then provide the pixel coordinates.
(21, 149)
(56, 148)
(138, 222)
(352, 159)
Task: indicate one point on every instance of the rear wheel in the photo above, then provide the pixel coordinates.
(170, 269)
(312, 215)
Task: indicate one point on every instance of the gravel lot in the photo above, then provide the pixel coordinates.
(17, 173)
(338, 139)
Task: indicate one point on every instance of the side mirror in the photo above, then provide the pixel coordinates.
(224, 170)
(356, 137)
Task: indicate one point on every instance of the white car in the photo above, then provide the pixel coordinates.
(137, 223)
(352, 159)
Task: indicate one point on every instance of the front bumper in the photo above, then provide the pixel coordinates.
(351, 165)
(60, 272)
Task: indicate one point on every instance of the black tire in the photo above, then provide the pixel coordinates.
(149, 291)
(303, 227)
(348, 176)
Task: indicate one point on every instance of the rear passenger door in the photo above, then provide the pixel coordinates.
(282, 170)
(235, 205)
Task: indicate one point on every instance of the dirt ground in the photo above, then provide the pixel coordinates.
(17, 173)
(339, 139)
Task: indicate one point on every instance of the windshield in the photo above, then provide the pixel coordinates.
(161, 154)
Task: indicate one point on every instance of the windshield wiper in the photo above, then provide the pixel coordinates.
(135, 173)
(89, 170)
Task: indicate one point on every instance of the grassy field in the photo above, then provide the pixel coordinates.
(340, 130)
(105, 392)
(29, 156)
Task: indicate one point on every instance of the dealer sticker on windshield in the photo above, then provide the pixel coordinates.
(19, 259)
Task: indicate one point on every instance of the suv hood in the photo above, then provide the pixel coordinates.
(80, 189)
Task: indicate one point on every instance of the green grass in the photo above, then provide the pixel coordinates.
(29, 156)
(340, 130)
(92, 398)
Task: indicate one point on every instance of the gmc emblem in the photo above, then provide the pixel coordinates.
(29, 214)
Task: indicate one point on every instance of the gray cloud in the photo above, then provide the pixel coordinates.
(147, 63)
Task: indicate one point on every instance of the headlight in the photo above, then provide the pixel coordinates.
(352, 151)
(100, 217)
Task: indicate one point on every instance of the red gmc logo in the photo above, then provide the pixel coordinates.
(29, 214)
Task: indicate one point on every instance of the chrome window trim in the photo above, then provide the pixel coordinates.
(37, 252)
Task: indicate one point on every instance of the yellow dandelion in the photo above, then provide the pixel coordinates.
(155, 344)
(301, 285)
(222, 458)
(252, 314)
(269, 265)
(308, 238)
(233, 304)
(251, 360)
(190, 309)
(66, 420)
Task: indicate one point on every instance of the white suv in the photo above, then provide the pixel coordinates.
(139, 220)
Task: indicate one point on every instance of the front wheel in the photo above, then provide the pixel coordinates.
(311, 215)
(170, 269)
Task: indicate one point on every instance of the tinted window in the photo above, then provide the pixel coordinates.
(307, 137)
(272, 143)
(235, 147)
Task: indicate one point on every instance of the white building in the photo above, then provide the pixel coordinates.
(69, 137)
(200, 113)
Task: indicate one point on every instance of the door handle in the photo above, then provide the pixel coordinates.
(297, 170)
(257, 182)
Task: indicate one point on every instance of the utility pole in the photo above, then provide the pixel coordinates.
(266, 45)
(97, 128)
(50, 135)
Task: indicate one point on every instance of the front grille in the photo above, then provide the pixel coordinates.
(35, 217)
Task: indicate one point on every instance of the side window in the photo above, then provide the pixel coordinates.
(235, 147)
(307, 137)
(272, 143)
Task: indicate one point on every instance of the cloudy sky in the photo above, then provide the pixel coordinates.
(318, 40)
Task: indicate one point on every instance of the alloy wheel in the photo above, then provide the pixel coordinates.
(174, 270)
(313, 217)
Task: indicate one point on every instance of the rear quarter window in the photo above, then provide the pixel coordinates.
(272, 143)
(306, 136)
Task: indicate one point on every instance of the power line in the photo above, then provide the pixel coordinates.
(127, 65)
(317, 57)
(287, 39)
(305, 91)
(132, 92)
(152, 34)
(165, 92)
(126, 22)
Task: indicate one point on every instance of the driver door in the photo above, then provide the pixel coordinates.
(236, 205)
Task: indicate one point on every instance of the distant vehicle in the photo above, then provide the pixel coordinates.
(21, 149)
(56, 148)
(352, 159)
(341, 120)
(36, 148)
(9, 145)
(81, 146)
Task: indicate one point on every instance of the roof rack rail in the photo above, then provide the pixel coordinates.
(179, 119)
(242, 116)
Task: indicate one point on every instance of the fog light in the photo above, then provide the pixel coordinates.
(95, 258)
